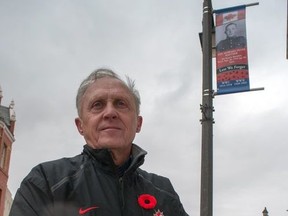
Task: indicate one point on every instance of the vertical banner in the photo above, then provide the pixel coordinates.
(231, 51)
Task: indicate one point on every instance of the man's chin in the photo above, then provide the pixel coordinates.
(109, 143)
(114, 145)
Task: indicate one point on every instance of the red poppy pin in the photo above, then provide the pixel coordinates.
(147, 201)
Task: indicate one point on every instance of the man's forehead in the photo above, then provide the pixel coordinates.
(110, 86)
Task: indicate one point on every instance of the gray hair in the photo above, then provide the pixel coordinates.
(101, 73)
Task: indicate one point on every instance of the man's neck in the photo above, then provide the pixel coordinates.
(120, 156)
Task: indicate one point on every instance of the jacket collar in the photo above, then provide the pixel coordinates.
(104, 160)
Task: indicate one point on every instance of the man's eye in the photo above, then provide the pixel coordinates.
(121, 104)
(97, 105)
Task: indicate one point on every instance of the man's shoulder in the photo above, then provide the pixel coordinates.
(158, 181)
(61, 163)
(222, 45)
(54, 170)
(153, 177)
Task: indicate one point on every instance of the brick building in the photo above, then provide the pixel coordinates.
(7, 125)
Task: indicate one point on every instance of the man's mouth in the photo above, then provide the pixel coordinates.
(110, 128)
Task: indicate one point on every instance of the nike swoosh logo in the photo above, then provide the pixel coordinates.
(84, 211)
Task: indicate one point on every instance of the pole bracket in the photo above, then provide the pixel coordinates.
(204, 110)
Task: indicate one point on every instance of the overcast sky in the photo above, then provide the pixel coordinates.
(48, 47)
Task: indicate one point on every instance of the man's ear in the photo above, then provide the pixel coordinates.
(78, 123)
(139, 124)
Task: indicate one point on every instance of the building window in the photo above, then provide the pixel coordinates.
(3, 156)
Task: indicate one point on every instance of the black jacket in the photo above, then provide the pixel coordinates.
(90, 184)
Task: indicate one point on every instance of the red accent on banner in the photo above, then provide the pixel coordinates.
(219, 20)
(233, 75)
(230, 57)
(241, 14)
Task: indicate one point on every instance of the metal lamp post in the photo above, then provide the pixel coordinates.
(206, 202)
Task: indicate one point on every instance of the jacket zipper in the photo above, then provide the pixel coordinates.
(122, 200)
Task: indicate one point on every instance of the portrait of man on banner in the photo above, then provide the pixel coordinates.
(233, 37)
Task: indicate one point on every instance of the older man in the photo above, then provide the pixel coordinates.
(105, 179)
(232, 41)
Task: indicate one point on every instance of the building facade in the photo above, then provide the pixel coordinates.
(7, 126)
(8, 203)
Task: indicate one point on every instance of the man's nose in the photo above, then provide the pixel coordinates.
(110, 111)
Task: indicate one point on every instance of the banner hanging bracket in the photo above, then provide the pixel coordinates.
(235, 7)
(252, 89)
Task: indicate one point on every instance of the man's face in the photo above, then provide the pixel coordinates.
(231, 30)
(108, 117)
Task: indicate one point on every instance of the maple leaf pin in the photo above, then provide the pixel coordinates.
(158, 213)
